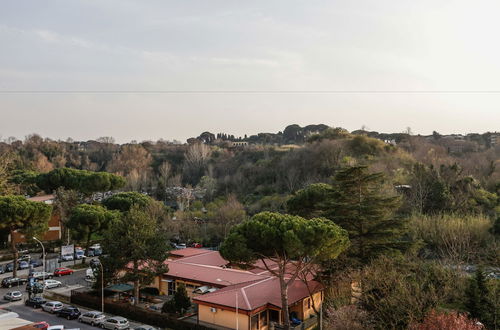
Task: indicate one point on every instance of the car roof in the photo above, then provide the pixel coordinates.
(118, 318)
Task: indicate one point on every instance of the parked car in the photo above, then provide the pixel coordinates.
(180, 246)
(69, 312)
(9, 267)
(144, 327)
(89, 275)
(63, 271)
(40, 325)
(13, 296)
(9, 282)
(52, 306)
(94, 262)
(23, 265)
(94, 318)
(50, 284)
(56, 327)
(115, 323)
(34, 286)
(25, 257)
(197, 245)
(79, 254)
(36, 263)
(66, 257)
(42, 275)
(35, 302)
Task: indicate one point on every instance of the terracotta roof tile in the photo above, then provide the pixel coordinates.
(255, 294)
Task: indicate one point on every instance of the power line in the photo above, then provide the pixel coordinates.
(250, 92)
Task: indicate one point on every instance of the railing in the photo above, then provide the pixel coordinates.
(310, 322)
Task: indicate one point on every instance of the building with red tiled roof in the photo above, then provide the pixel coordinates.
(187, 252)
(257, 304)
(224, 294)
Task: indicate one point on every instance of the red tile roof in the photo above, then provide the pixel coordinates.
(209, 274)
(189, 252)
(255, 294)
(211, 258)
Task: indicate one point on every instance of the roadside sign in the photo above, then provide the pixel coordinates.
(67, 249)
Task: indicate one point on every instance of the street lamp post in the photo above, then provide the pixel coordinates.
(43, 260)
(102, 288)
(237, 319)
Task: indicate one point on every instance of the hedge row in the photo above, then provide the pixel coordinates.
(134, 313)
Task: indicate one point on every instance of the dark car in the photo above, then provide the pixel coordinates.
(23, 265)
(9, 267)
(35, 302)
(69, 313)
(9, 282)
(36, 263)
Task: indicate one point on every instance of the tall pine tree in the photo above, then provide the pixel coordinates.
(357, 202)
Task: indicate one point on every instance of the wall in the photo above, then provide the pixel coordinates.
(222, 317)
(54, 232)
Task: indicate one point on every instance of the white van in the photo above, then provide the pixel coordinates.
(89, 275)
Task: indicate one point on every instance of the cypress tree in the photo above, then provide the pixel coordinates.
(477, 293)
(181, 299)
(360, 206)
(357, 202)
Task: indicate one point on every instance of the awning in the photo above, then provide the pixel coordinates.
(119, 288)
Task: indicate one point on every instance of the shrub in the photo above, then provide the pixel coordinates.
(447, 321)
(451, 236)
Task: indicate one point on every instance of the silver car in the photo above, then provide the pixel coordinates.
(52, 306)
(13, 296)
(115, 323)
(94, 318)
(50, 284)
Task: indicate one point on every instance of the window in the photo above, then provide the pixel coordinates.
(263, 319)
(308, 303)
(274, 316)
(254, 322)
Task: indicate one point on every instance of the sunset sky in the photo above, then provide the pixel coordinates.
(126, 47)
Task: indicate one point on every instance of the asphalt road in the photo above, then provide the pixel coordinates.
(51, 263)
(38, 314)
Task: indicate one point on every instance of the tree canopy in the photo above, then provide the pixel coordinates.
(124, 201)
(86, 220)
(284, 240)
(358, 203)
(24, 216)
(86, 182)
(136, 242)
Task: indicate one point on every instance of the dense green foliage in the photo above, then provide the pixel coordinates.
(358, 203)
(124, 201)
(86, 182)
(24, 216)
(135, 242)
(86, 220)
(179, 304)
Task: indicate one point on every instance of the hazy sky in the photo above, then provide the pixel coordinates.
(148, 45)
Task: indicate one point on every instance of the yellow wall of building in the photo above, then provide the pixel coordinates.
(222, 317)
(307, 312)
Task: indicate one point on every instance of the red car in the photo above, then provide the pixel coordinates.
(40, 325)
(63, 271)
